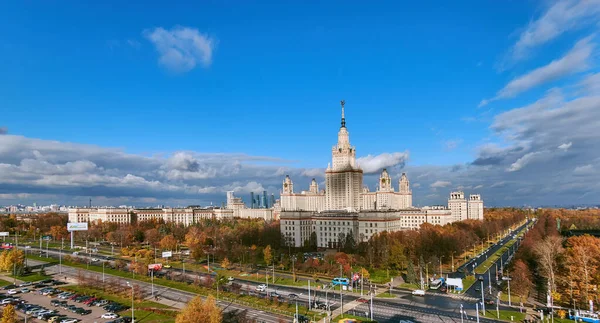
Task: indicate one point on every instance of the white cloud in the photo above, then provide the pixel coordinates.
(373, 164)
(478, 187)
(557, 19)
(523, 161)
(313, 172)
(576, 60)
(591, 84)
(565, 146)
(3, 130)
(440, 184)
(584, 170)
(416, 185)
(181, 48)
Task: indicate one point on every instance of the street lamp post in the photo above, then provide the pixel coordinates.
(482, 293)
(103, 275)
(442, 257)
(132, 310)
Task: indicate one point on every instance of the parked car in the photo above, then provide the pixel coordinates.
(25, 284)
(11, 286)
(12, 292)
(25, 290)
(109, 316)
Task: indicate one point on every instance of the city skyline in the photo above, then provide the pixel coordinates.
(177, 106)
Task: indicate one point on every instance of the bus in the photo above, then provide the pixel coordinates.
(340, 281)
(584, 316)
(436, 284)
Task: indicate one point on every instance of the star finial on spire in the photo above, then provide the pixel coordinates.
(343, 118)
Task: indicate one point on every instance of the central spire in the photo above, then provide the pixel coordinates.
(343, 118)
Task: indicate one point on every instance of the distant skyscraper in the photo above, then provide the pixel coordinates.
(272, 199)
(265, 201)
(251, 200)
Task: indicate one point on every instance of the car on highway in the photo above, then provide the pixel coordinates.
(167, 266)
(109, 316)
(75, 253)
(261, 288)
(418, 292)
(95, 259)
(362, 300)
(489, 301)
(292, 296)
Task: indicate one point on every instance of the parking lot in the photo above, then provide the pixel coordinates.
(50, 302)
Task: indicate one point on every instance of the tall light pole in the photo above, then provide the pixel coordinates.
(103, 275)
(461, 313)
(442, 257)
(482, 298)
(62, 245)
(132, 311)
(341, 295)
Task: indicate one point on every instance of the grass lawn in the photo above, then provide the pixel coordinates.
(514, 299)
(32, 277)
(150, 317)
(348, 316)
(410, 286)
(468, 282)
(505, 315)
(4, 283)
(386, 295)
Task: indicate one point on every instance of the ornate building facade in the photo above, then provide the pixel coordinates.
(346, 208)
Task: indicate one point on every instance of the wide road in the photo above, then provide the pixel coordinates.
(173, 294)
(441, 305)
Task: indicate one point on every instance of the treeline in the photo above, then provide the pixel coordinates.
(567, 268)
(431, 243)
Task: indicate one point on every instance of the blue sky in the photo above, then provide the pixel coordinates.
(265, 79)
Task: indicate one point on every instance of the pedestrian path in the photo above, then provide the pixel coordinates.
(347, 307)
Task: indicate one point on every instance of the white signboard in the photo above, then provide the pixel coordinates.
(167, 254)
(77, 226)
(3, 234)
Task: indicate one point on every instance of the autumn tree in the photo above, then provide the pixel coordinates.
(225, 263)
(584, 254)
(152, 236)
(268, 255)
(9, 315)
(411, 275)
(59, 232)
(549, 251)
(521, 279)
(199, 311)
(168, 242)
(12, 259)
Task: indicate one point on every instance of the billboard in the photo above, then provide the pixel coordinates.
(167, 254)
(77, 226)
(3, 234)
(155, 267)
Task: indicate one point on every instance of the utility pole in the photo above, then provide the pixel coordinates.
(490, 279)
(341, 295)
(461, 313)
(477, 311)
(482, 293)
(62, 245)
(452, 261)
(273, 273)
(309, 303)
(371, 310)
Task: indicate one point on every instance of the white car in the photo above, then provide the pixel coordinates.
(69, 321)
(6, 301)
(418, 292)
(95, 259)
(230, 279)
(75, 253)
(12, 291)
(27, 247)
(109, 316)
(25, 290)
(25, 284)
(261, 288)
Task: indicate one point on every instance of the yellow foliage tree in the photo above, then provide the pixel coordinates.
(225, 263)
(9, 315)
(10, 258)
(199, 311)
(268, 255)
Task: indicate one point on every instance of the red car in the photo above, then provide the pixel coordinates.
(362, 300)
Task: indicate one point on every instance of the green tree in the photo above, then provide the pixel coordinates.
(268, 255)
(397, 256)
(411, 275)
(350, 243)
(9, 315)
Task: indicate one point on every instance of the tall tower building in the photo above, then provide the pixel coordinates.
(265, 200)
(288, 185)
(343, 179)
(251, 200)
(475, 207)
(458, 205)
(404, 192)
(314, 187)
(385, 182)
